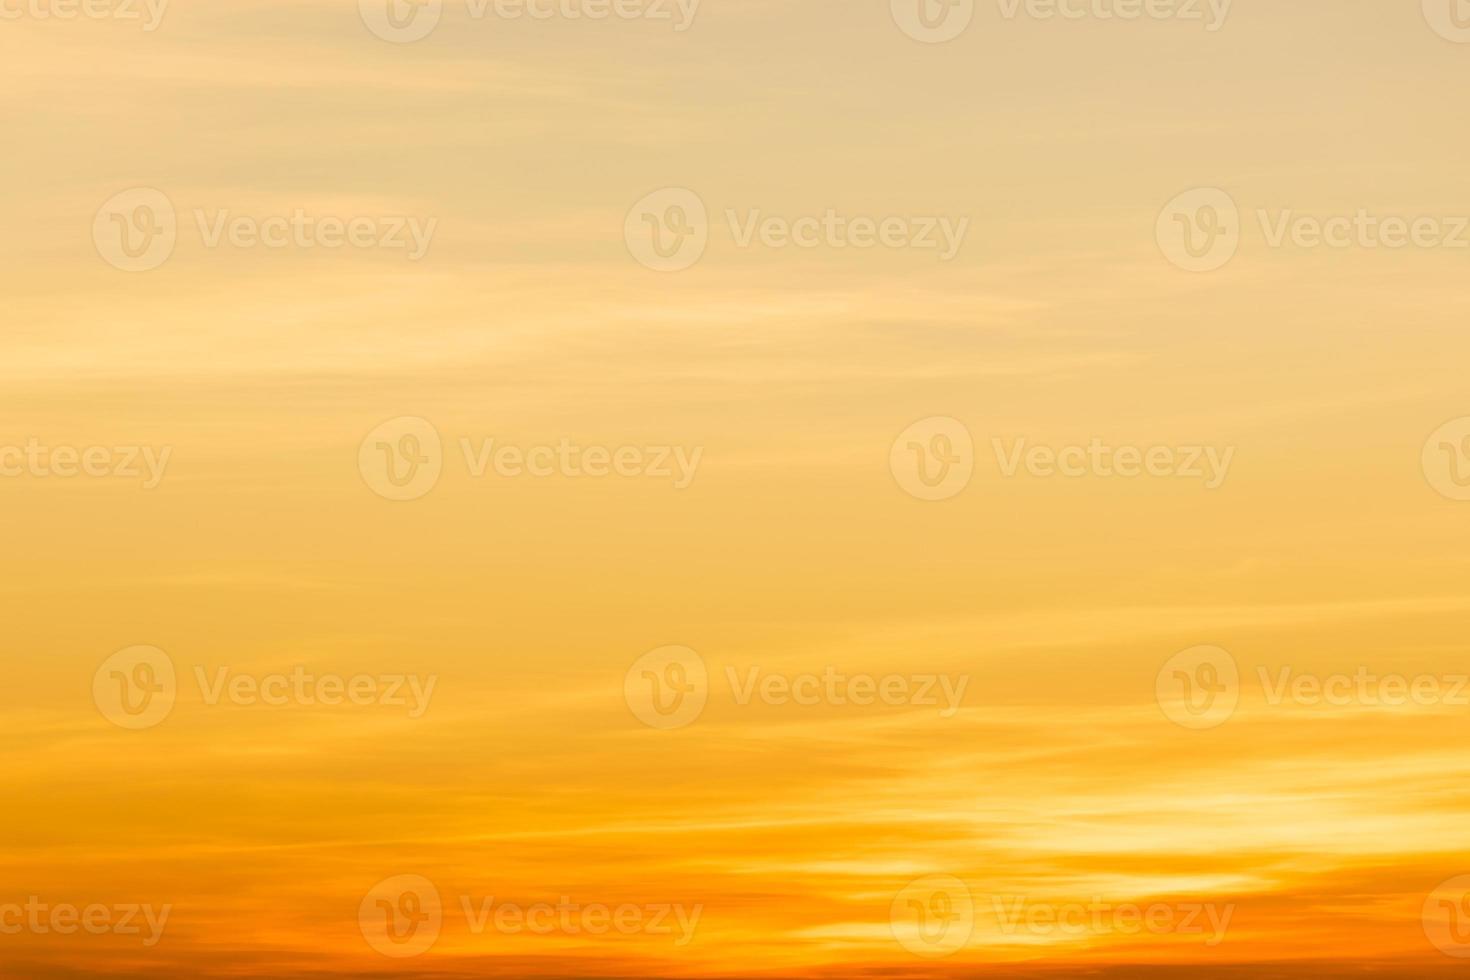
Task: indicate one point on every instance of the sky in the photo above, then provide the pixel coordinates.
(783, 489)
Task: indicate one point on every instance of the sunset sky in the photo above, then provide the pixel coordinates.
(772, 699)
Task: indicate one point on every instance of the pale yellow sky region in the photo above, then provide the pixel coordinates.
(779, 489)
